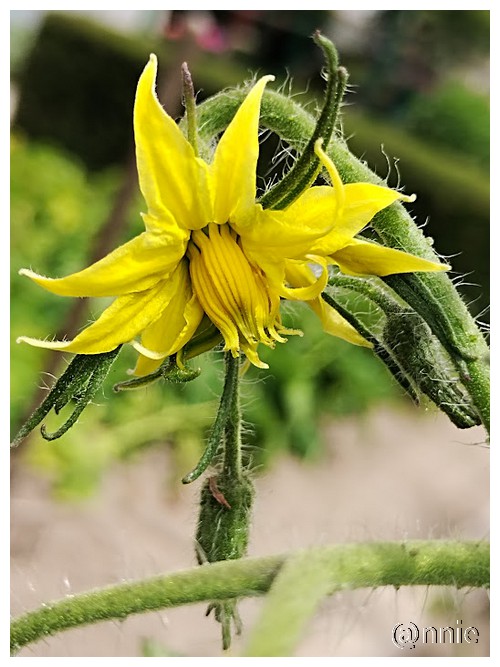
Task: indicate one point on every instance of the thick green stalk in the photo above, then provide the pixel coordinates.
(431, 295)
(415, 563)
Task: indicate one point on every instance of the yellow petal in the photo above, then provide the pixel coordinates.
(360, 258)
(333, 323)
(174, 182)
(362, 202)
(175, 327)
(291, 233)
(281, 278)
(132, 267)
(126, 317)
(350, 207)
(235, 160)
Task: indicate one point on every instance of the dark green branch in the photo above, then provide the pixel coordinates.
(415, 563)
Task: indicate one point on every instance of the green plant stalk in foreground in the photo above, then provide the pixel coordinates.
(431, 295)
(350, 566)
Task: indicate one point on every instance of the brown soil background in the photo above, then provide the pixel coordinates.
(392, 475)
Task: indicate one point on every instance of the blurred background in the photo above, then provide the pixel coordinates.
(333, 441)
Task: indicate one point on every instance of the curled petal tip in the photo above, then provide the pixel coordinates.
(147, 353)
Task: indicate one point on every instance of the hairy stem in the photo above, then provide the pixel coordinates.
(415, 563)
(231, 466)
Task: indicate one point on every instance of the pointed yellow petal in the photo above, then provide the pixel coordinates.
(174, 182)
(362, 202)
(335, 325)
(360, 258)
(175, 327)
(350, 207)
(235, 160)
(120, 323)
(336, 181)
(132, 267)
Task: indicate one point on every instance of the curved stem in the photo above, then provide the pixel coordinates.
(415, 563)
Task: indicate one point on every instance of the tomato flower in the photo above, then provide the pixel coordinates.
(209, 249)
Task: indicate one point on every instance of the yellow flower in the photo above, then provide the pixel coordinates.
(209, 249)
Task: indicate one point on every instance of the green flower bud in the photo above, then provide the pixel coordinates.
(423, 360)
(224, 520)
(222, 534)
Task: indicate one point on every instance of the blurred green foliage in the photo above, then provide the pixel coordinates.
(56, 209)
(455, 118)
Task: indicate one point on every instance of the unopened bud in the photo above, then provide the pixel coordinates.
(421, 357)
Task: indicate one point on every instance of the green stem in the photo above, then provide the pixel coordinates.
(231, 467)
(415, 563)
(228, 415)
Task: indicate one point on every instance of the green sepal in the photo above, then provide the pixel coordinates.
(168, 371)
(80, 382)
(306, 168)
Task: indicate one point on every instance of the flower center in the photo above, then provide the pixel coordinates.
(233, 292)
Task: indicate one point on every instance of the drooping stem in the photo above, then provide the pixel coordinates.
(414, 563)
